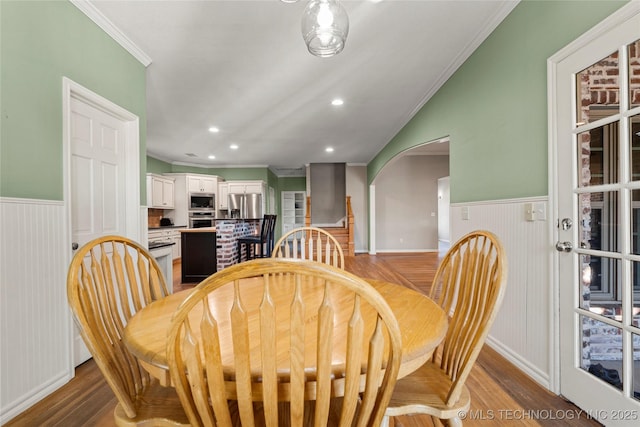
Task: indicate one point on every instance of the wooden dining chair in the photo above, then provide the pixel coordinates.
(310, 243)
(358, 357)
(109, 280)
(469, 285)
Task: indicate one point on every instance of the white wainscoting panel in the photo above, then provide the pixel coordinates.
(521, 331)
(34, 315)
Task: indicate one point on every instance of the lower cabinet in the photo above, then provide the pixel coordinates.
(165, 261)
(170, 235)
(176, 238)
(199, 256)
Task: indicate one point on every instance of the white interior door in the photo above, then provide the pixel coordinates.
(97, 173)
(103, 174)
(597, 139)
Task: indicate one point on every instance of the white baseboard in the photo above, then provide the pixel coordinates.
(23, 403)
(536, 374)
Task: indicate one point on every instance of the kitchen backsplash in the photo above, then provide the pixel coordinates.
(154, 216)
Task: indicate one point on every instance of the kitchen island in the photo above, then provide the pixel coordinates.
(199, 253)
(210, 249)
(229, 231)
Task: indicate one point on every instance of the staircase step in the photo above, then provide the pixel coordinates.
(341, 234)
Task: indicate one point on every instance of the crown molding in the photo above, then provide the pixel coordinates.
(114, 32)
(492, 23)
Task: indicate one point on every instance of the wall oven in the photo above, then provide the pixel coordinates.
(201, 219)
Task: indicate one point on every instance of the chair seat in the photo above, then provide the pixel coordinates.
(250, 239)
(252, 252)
(157, 406)
(425, 392)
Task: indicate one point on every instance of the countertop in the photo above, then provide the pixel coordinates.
(156, 245)
(167, 227)
(199, 230)
(237, 219)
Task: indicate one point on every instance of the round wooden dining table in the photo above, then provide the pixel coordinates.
(422, 322)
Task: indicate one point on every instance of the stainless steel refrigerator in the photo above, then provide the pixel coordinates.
(245, 206)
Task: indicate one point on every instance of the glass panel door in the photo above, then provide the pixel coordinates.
(598, 200)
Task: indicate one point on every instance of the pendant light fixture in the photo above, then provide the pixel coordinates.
(325, 26)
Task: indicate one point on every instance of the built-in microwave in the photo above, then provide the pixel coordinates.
(202, 201)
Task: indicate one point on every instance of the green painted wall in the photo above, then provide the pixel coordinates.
(494, 108)
(42, 41)
(293, 184)
(157, 166)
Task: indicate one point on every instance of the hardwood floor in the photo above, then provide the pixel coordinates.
(501, 394)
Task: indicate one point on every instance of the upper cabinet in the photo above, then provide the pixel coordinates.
(246, 187)
(223, 195)
(186, 185)
(199, 184)
(160, 192)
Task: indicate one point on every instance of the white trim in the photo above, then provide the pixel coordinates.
(536, 374)
(626, 12)
(21, 201)
(501, 201)
(554, 295)
(71, 89)
(486, 29)
(210, 165)
(623, 14)
(12, 411)
(110, 28)
(372, 219)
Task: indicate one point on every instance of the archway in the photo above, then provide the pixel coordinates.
(403, 215)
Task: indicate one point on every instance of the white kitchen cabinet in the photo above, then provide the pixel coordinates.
(167, 235)
(293, 210)
(246, 187)
(223, 195)
(198, 184)
(177, 248)
(154, 235)
(160, 192)
(186, 184)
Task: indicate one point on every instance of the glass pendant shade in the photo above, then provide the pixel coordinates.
(325, 26)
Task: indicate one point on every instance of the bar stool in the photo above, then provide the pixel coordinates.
(258, 246)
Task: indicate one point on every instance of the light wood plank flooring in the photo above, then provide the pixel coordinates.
(501, 394)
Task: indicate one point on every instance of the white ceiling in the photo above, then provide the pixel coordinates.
(242, 66)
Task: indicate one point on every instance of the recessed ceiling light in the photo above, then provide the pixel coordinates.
(214, 129)
(337, 102)
(329, 149)
(212, 157)
(234, 146)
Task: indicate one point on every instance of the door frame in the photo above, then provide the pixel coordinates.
(622, 15)
(71, 89)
